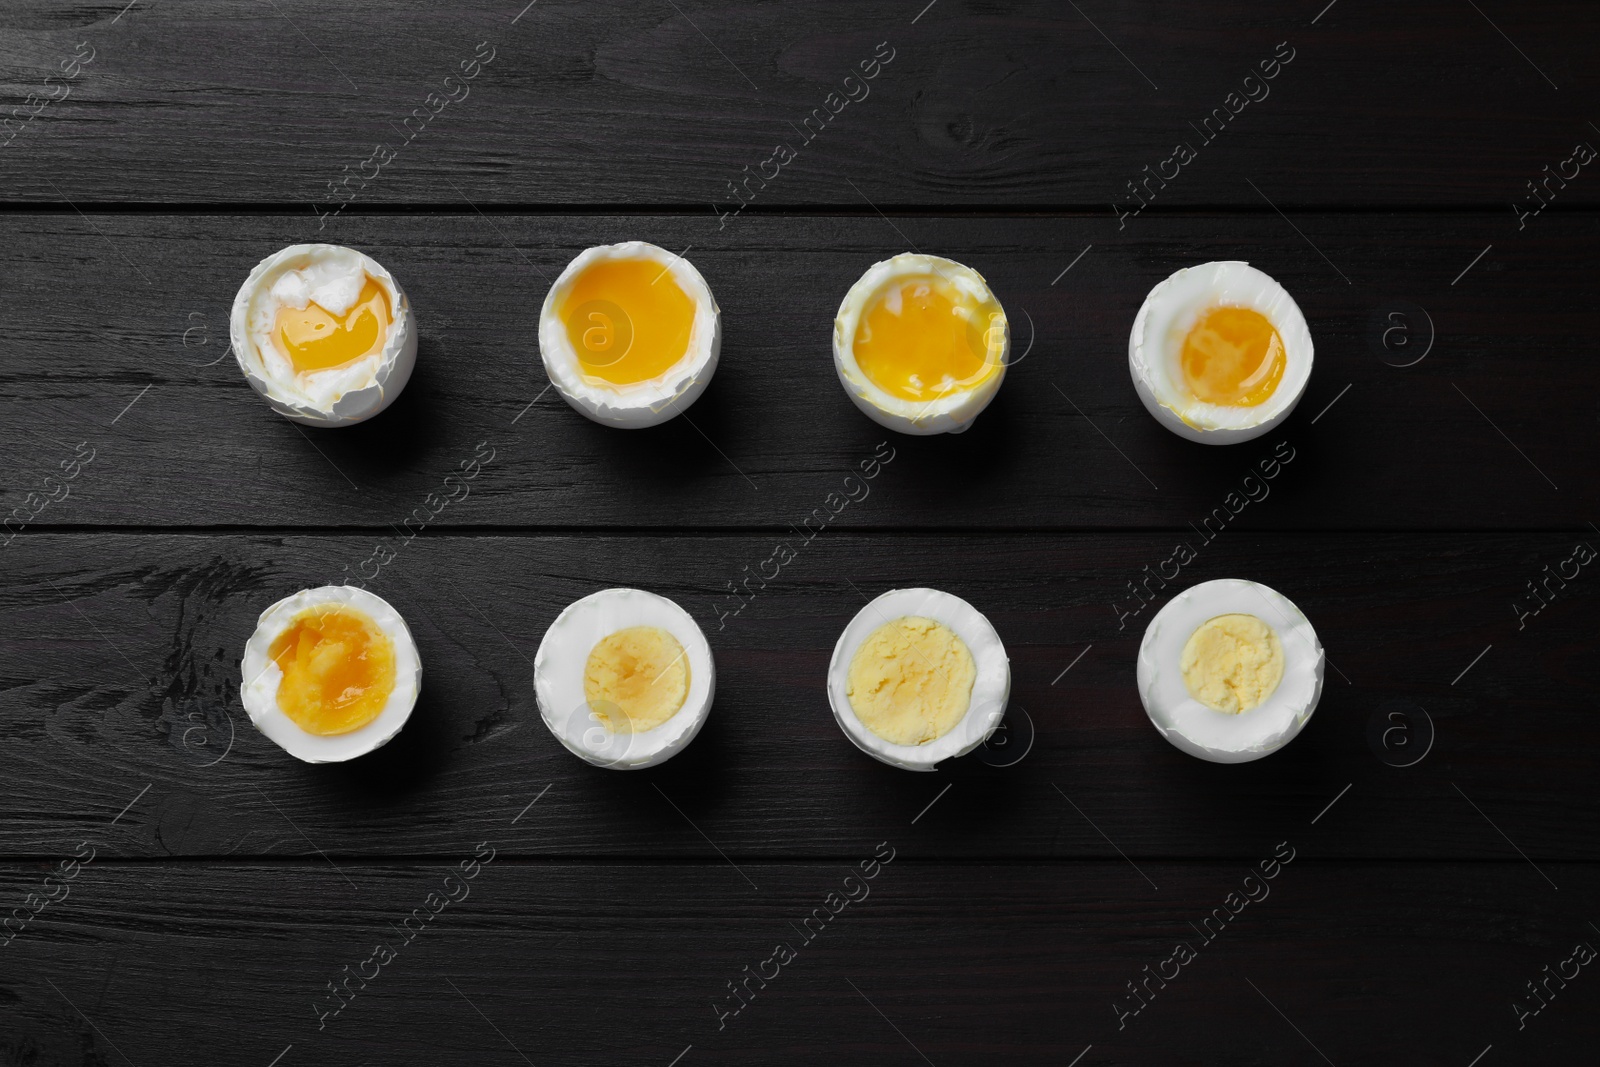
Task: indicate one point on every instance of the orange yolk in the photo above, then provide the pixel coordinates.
(338, 670)
(628, 319)
(1233, 356)
(313, 339)
(922, 338)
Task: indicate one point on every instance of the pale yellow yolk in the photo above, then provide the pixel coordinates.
(910, 682)
(338, 670)
(923, 338)
(636, 679)
(1233, 356)
(628, 320)
(314, 339)
(1232, 663)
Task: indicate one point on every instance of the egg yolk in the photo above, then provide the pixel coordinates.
(628, 320)
(1233, 356)
(910, 682)
(636, 679)
(1232, 663)
(338, 670)
(315, 339)
(922, 338)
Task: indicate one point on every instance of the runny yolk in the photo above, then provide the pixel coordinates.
(628, 320)
(338, 670)
(314, 339)
(1233, 356)
(922, 338)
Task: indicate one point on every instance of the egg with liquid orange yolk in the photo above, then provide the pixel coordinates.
(630, 334)
(330, 673)
(920, 344)
(324, 333)
(1220, 353)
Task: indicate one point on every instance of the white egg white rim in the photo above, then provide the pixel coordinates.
(1216, 735)
(991, 687)
(558, 678)
(653, 400)
(942, 414)
(261, 676)
(395, 360)
(1155, 369)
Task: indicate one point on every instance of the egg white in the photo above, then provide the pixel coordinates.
(946, 414)
(991, 685)
(1215, 735)
(1155, 346)
(261, 677)
(638, 404)
(336, 396)
(563, 656)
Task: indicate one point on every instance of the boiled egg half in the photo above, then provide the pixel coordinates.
(624, 678)
(920, 344)
(1230, 670)
(330, 673)
(324, 334)
(629, 334)
(1219, 353)
(917, 677)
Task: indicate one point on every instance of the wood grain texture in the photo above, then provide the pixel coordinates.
(1473, 436)
(614, 102)
(121, 671)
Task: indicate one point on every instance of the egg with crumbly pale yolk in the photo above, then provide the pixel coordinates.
(917, 677)
(630, 334)
(330, 673)
(1230, 670)
(624, 678)
(1220, 353)
(324, 333)
(920, 344)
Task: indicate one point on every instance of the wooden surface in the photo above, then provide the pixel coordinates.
(1436, 871)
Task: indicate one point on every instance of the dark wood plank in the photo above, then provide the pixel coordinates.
(1035, 103)
(120, 671)
(1478, 434)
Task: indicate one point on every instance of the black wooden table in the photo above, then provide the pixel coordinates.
(1414, 175)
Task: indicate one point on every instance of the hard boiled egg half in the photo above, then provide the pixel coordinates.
(1219, 353)
(330, 673)
(324, 334)
(1230, 671)
(624, 678)
(630, 334)
(920, 344)
(919, 676)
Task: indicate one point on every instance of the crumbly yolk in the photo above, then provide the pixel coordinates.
(338, 670)
(1232, 663)
(628, 320)
(314, 339)
(636, 679)
(922, 338)
(910, 682)
(1233, 356)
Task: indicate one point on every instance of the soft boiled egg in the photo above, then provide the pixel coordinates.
(920, 344)
(1230, 671)
(624, 678)
(324, 334)
(1219, 353)
(919, 676)
(330, 673)
(630, 334)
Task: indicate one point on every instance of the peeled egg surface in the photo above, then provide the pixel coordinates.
(1172, 700)
(1177, 312)
(324, 333)
(622, 645)
(630, 334)
(899, 677)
